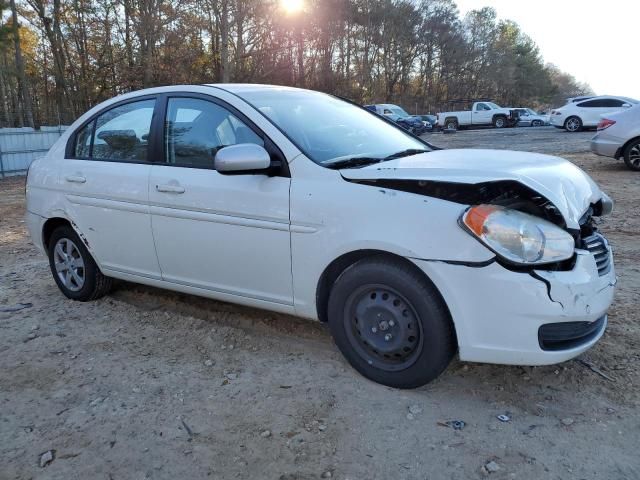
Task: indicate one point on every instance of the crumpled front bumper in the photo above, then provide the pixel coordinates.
(498, 312)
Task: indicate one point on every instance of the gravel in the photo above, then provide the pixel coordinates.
(142, 350)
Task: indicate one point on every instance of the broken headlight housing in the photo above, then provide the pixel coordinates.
(518, 237)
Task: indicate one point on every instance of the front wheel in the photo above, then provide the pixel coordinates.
(536, 123)
(632, 155)
(391, 323)
(74, 270)
(573, 124)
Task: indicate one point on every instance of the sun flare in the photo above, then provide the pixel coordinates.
(292, 6)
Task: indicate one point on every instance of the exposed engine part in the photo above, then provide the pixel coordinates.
(506, 193)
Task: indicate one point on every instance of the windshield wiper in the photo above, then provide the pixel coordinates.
(362, 161)
(405, 153)
(354, 162)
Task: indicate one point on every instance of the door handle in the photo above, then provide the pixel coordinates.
(170, 188)
(75, 179)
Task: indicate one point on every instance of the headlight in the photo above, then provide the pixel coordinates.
(518, 237)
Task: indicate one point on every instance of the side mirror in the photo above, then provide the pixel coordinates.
(242, 157)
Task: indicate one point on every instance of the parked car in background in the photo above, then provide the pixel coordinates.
(431, 120)
(412, 123)
(577, 115)
(619, 137)
(480, 114)
(410, 253)
(579, 99)
(530, 118)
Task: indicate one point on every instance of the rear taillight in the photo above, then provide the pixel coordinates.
(605, 123)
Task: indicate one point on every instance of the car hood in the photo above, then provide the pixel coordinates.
(569, 188)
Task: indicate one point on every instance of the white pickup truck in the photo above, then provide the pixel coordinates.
(481, 114)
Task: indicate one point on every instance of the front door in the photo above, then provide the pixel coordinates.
(482, 114)
(225, 233)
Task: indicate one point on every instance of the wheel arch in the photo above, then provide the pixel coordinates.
(346, 260)
(451, 118)
(623, 148)
(49, 226)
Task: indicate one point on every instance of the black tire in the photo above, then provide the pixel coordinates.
(536, 123)
(573, 124)
(499, 121)
(422, 324)
(632, 155)
(451, 124)
(95, 284)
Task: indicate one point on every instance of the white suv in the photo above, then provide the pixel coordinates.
(249, 194)
(576, 115)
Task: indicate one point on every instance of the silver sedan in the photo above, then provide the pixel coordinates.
(619, 137)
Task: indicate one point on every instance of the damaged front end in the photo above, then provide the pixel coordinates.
(513, 195)
(539, 312)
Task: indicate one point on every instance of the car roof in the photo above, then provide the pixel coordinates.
(617, 97)
(240, 88)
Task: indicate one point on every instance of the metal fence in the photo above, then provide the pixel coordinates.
(20, 146)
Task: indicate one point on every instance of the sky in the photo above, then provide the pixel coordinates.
(595, 41)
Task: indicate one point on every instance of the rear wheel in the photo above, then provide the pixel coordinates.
(632, 155)
(573, 124)
(74, 270)
(500, 122)
(390, 323)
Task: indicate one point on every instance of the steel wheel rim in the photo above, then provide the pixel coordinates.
(634, 156)
(69, 264)
(499, 123)
(573, 124)
(383, 327)
(537, 123)
(451, 125)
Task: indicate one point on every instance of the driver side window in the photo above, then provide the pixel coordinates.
(196, 129)
(482, 107)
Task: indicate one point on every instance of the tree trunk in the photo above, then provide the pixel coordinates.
(22, 78)
(224, 41)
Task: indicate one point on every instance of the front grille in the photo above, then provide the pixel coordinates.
(599, 248)
(566, 335)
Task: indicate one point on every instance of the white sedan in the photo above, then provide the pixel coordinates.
(577, 115)
(299, 202)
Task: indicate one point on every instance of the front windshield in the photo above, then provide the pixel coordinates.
(327, 129)
(493, 106)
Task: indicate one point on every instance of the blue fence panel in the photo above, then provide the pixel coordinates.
(20, 146)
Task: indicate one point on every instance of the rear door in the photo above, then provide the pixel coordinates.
(105, 178)
(227, 233)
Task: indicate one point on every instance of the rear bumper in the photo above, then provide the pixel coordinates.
(606, 145)
(498, 313)
(34, 226)
(557, 121)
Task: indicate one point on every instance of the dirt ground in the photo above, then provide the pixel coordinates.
(148, 384)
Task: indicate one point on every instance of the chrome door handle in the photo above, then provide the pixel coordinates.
(170, 188)
(75, 179)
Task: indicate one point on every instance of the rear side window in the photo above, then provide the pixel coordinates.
(602, 103)
(590, 104)
(83, 141)
(119, 134)
(196, 129)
